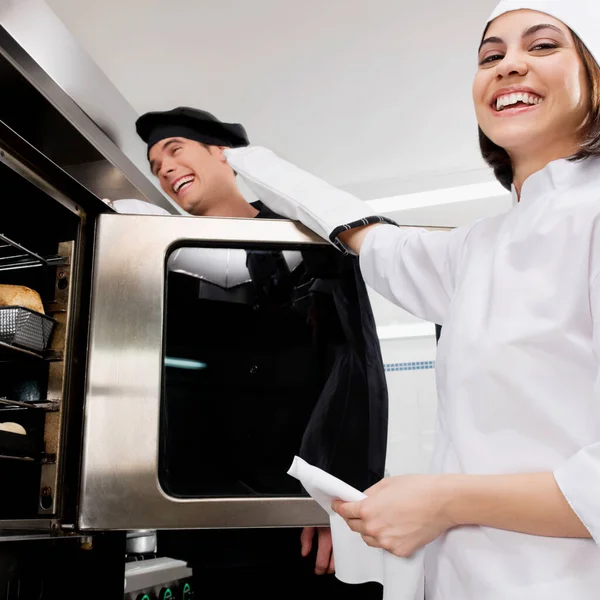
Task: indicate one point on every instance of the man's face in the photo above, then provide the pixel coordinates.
(192, 174)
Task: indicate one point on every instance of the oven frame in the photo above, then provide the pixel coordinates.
(120, 488)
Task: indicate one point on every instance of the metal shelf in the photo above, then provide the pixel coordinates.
(8, 353)
(15, 256)
(12, 530)
(45, 405)
(17, 458)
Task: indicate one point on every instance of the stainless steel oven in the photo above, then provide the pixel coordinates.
(123, 485)
(102, 405)
(93, 402)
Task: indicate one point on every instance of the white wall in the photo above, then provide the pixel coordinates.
(412, 392)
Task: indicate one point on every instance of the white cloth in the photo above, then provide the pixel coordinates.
(517, 372)
(582, 16)
(355, 561)
(223, 267)
(298, 195)
(133, 206)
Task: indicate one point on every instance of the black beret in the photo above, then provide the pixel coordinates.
(190, 123)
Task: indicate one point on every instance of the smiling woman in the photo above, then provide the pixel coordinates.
(552, 54)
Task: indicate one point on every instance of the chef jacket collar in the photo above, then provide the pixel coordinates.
(557, 175)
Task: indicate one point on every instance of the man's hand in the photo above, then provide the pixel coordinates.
(325, 562)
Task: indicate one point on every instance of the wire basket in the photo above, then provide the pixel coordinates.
(26, 328)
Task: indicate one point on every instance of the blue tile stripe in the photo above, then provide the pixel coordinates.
(410, 366)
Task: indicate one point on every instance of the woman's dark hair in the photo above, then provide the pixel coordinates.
(497, 158)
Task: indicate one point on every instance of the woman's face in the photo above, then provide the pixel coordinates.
(531, 90)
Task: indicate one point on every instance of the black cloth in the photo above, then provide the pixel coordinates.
(346, 434)
(315, 386)
(190, 123)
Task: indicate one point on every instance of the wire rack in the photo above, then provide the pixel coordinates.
(15, 256)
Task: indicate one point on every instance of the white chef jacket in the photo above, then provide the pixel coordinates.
(517, 372)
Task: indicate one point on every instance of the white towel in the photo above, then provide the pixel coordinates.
(355, 561)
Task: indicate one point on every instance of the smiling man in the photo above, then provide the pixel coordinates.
(185, 150)
(186, 154)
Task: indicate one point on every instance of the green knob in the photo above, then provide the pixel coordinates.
(187, 593)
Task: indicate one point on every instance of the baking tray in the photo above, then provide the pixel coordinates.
(26, 328)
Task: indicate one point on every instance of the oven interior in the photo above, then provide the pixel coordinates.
(38, 242)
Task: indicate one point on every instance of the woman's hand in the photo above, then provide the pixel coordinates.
(401, 514)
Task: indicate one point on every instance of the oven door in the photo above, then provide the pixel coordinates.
(192, 415)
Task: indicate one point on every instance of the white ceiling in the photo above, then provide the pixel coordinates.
(373, 95)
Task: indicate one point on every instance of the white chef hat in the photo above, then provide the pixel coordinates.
(581, 16)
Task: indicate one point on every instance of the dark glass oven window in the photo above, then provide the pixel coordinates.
(246, 358)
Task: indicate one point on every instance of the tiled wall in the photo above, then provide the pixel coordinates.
(410, 366)
(412, 403)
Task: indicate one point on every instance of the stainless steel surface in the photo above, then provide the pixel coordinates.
(17, 165)
(82, 109)
(153, 573)
(33, 529)
(48, 487)
(120, 488)
(142, 541)
(28, 525)
(57, 381)
(25, 537)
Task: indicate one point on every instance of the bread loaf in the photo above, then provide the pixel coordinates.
(13, 428)
(19, 295)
